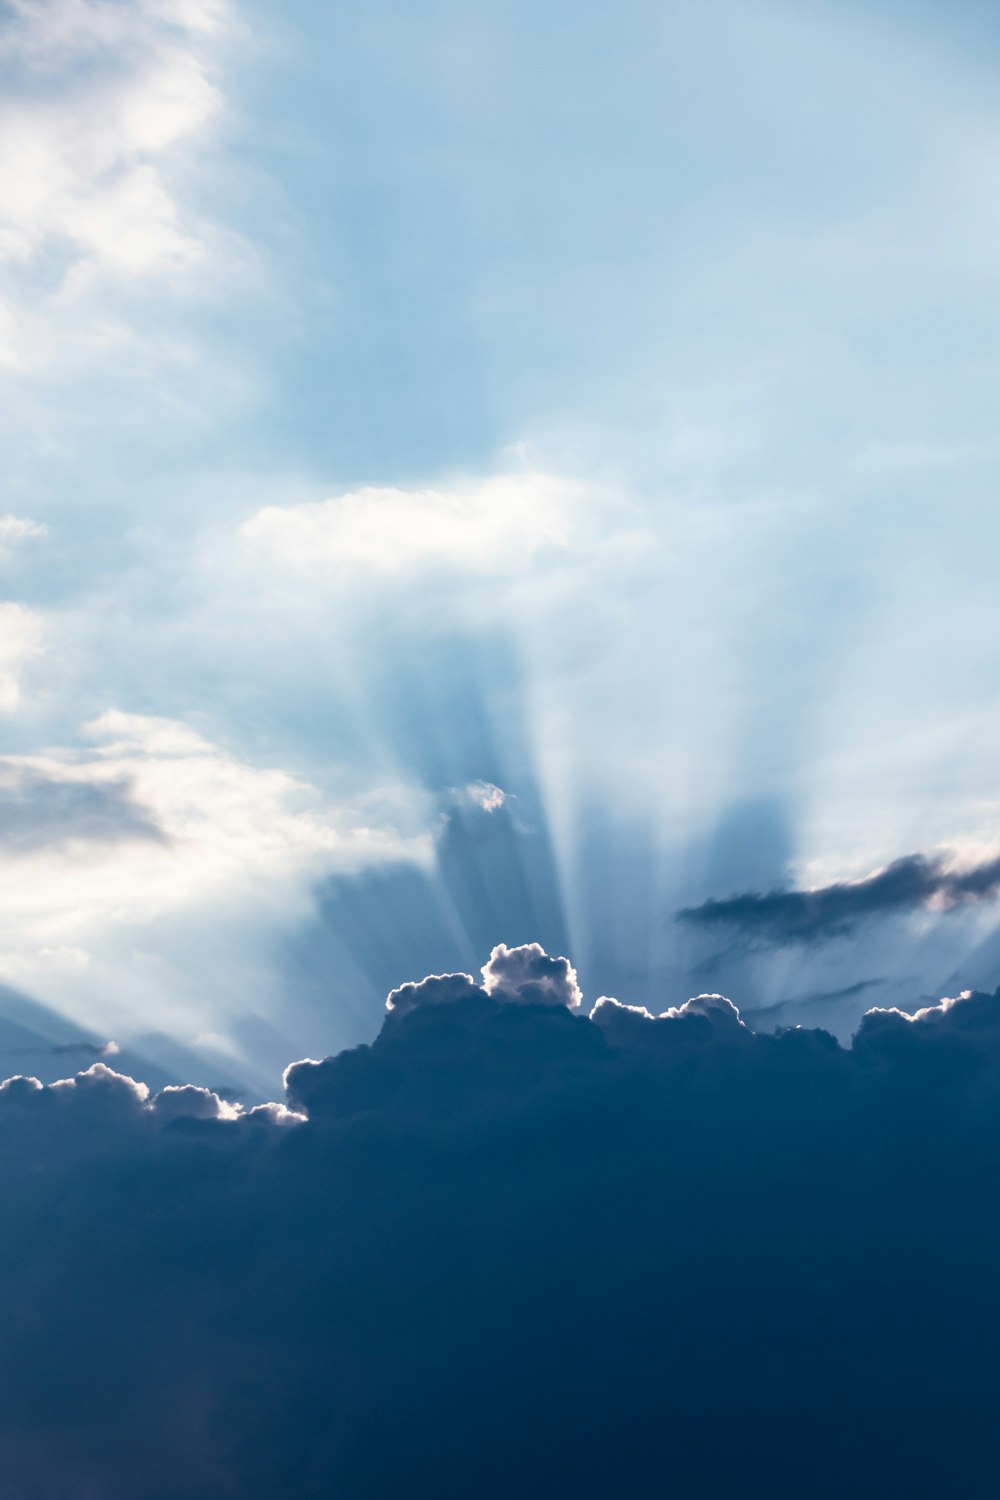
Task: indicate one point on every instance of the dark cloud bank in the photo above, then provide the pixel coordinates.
(790, 916)
(510, 1250)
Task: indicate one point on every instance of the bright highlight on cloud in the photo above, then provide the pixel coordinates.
(506, 1229)
(525, 975)
(99, 97)
(485, 795)
(488, 526)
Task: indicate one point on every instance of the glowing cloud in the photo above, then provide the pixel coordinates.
(156, 818)
(490, 526)
(105, 94)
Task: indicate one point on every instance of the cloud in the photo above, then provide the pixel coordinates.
(485, 795)
(92, 1049)
(717, 1011)
(487, 526)
(619, 1256)
(16, 529)
(99, 99)
(513, 976)
(436, 989)
(154, 818)
(21, 637)
(527, 975)
(911, 883)
(45, 809)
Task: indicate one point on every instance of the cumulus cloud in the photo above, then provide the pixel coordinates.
(488, 526)
(716, 1010)
(525, 975)
(512, 1230)
(436, 989)
(914, 882)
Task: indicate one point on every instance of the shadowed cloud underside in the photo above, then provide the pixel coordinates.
(510, 1248)
(803, 916)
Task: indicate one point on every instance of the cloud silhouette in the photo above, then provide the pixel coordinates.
(507, 1248)
(806, 916)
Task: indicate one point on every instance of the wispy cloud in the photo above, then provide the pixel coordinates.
(17, 529)
(804, 916)
(21, 637)
(157, 819)
(99, 98)
(485, 795)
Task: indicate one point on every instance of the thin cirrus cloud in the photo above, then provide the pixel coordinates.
(913, 882)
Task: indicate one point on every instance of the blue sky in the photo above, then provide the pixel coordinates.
(485, 474)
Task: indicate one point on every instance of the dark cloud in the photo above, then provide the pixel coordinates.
(74, 1049)
(789, 916)
(37, 810)
(507, 1249)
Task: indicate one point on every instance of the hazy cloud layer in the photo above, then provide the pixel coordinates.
(98, 97)
(803, 916)
(150, 820)
(510, 1249)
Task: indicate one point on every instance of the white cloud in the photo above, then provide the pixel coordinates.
(486, 526)
(15, 529)
(199, 827)
(20, 639)
(485, 795)
(104, 95)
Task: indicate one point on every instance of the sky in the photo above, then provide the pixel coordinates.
(499, 834)
(489, 475)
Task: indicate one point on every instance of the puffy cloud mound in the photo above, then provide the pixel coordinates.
(529, 976)
(526, 975)
(508, 1248)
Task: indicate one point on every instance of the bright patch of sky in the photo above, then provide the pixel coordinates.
(483, 474)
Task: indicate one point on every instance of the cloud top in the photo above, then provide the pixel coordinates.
(524, 975)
